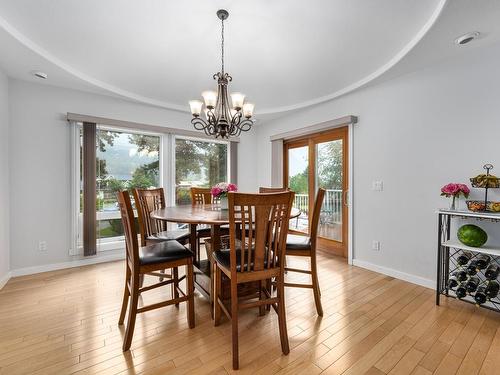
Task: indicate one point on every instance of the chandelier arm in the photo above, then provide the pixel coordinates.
(246, 125)
(200, 124)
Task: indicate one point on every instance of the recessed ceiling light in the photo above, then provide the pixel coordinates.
(39, 74)
(466, 38)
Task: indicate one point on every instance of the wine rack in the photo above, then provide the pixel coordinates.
(449, 265)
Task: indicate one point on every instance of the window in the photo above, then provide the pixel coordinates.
(198, 163)
(127, 159)
(124, 160)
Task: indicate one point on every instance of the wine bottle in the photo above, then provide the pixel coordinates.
(464, 258)
(482, 261)
(460, 275)
(480, 297)
(452, 282)
(492, 272)
(461, 291)
(472, 284)
(472, 268)
(492, 289)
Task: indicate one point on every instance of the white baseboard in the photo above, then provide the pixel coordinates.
(428, 283)
(5, 279)
(71, 264)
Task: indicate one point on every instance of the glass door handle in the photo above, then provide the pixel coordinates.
(346, 197)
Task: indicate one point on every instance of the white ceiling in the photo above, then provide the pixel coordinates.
(284, 54)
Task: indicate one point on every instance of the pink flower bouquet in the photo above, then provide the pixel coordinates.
(221, 189)
(455, 191)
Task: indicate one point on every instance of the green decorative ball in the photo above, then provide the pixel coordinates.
(472, 235)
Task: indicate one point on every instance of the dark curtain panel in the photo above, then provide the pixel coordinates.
(89, 189)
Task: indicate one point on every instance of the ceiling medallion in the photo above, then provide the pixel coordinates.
(220, 119)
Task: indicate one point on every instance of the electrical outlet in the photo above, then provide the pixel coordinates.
(377, 185)
(376, 245)
(42, 245)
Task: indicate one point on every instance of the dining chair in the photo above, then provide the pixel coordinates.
(256, 257)
(200, 196)
(305, 246)
(266, 190)
(146, 260)
(151, 230)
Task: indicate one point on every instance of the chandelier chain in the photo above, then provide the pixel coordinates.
(222, 46)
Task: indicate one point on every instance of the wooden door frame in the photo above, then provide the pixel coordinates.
(343, 248)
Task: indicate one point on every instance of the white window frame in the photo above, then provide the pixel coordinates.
(105, 244)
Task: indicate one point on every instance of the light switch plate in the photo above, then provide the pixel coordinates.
(376, 245)
(377, 185)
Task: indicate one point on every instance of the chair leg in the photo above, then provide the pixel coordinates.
(126, 295)
(234, 323)
(132, 312)
(141, 280)
(262, 296)
(175, 284)
(190, 293)
(285, 347)
(315, 283)
(217, 292)
(161, 278)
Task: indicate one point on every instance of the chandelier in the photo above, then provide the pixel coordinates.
(221, 119)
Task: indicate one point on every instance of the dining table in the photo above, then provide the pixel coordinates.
(211, 215)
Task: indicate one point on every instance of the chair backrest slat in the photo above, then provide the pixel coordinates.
(316, 213)
(266, 190)
(128, 221)
(146, 201)
(264, 219)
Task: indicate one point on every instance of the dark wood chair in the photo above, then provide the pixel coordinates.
(257, 257)
(146, 260)
(203, 196)
(305, 246)
(266, 190)
(151, 230)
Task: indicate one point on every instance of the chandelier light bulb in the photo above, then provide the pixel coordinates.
(248, 110)
(195, 106)
(237, 98)
(210, 98)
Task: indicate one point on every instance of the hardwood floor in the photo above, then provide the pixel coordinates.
(65, 322)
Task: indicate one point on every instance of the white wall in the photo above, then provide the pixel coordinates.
(40, 163)
(4, 178)
(416, 133)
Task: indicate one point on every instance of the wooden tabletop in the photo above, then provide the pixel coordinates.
(199, 214)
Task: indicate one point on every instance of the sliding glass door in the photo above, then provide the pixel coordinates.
(320, 161)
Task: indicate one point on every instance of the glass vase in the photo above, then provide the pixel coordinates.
(223, 203)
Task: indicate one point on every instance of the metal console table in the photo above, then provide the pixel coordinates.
(449, 249)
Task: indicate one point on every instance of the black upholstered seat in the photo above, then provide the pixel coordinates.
(223, 258)
(296, 242)
(181, 235)
(165, 251)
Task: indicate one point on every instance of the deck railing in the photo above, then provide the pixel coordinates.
(331, 212)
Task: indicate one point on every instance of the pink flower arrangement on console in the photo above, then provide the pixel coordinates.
(455, 191)
(222, 188)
